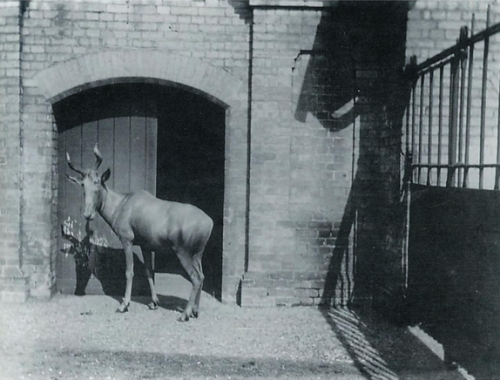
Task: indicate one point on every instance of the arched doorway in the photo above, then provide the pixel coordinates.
(162, 139)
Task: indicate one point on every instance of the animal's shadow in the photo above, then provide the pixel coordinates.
(166, 302)
(106, 264)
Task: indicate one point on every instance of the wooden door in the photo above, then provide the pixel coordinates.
(122, 120)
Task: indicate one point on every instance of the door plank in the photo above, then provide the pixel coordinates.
(72, 204)
(137, 153)
(106, 147)
(121, 154)
(89, 138)
(151, 147)
(62, 244)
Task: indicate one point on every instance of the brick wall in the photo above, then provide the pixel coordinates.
(434, 25)
(300, 167)
(12, 279)
(324, 137)
(325, 153)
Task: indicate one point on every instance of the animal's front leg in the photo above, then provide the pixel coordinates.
(148, 267)
(129, 275)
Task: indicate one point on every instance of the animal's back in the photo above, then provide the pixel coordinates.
(157, 221)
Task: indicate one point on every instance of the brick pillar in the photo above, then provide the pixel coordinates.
(13, 283)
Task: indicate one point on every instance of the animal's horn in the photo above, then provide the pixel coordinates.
(72, 167)
(98, 157)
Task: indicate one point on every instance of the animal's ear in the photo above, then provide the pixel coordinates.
(74, 180)
(105, 176)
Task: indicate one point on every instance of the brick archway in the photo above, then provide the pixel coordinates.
(66, 78)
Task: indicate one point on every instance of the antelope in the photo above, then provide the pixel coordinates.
(139, 218)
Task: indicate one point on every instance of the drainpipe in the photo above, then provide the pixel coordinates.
(23, 6)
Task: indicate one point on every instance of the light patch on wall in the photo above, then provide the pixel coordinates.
(343, 110)
(101, 241)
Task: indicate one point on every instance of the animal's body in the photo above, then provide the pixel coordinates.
(152, 222)
(139, 218)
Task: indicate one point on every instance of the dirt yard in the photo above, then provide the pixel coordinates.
(73, 337)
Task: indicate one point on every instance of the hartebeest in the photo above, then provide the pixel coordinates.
(138, 218)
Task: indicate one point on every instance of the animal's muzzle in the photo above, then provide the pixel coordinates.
(90, 216)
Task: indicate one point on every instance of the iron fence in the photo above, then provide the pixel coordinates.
(453, 117)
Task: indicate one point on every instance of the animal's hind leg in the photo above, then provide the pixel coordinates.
(192, 265)
(148, 268)
(197, 261)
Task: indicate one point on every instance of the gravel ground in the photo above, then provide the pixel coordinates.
(83, 338)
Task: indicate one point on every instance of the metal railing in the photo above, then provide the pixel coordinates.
(444, 117)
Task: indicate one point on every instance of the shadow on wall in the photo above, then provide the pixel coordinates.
(353, 79)
(241, 9)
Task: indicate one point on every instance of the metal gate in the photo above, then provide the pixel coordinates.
(452, 143)
(124, 125)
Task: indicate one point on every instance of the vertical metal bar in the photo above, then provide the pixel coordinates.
(429, 140)
(463, 65)
(452, 135)
(440, 123)
(413, 117)
(413, 106)
(407, 116)
(407, 143)
(410, 108)
(497, 170)
(469, 106)
(483, 101)
(421, 125)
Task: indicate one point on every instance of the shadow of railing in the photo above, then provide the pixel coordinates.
(383, 351)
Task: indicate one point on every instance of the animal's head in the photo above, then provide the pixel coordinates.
(93, 185)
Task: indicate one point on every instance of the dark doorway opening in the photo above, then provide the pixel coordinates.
(163, 139)
(191, 156)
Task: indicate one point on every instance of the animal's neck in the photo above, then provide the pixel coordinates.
(110, 202)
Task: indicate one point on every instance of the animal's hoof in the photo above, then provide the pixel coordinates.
(123, 308)
(153, 305)
(451, 365)
(194, 314)
(183, 318)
